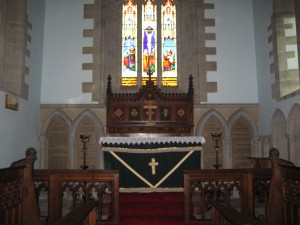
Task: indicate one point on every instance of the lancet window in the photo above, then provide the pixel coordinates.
(149, 42)
(285, 50)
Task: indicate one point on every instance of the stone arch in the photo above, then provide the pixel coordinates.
(293, 130)
(60, 117)
(87, 123)
(212, 122)
(279, 137)
(243, 143)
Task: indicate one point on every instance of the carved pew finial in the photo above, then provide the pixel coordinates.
(29, 197)
(28, 160)
(276, 160)
(274, 215)
(274, 156)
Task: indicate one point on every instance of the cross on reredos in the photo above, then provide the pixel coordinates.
(153, 164)
(149, 73)
(150, 108)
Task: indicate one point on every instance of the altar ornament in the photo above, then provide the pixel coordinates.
(216, 137)
(115, 149)
(153, 164)
(84, 139)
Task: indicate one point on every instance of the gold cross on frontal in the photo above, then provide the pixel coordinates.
(153, 164)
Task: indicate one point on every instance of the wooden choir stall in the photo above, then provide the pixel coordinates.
(150, 136)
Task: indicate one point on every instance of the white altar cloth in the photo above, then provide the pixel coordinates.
(152, 144)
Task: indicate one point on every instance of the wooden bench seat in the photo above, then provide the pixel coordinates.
(223, 214)
(83, 214)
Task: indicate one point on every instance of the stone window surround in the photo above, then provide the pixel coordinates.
(107, 26)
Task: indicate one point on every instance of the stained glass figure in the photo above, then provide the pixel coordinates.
(169, 53)
(129, 39)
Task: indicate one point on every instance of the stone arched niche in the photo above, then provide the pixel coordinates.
(212, 125)
(57, 136)
(279, 128)
(241, 143)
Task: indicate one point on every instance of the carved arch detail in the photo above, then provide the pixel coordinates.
(293, 132)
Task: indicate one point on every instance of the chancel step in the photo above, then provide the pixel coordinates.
(155, 208)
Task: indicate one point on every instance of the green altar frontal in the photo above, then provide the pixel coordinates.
(152, 162)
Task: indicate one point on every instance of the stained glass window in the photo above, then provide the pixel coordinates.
(141, 56)
(129, 46)
(168, 28)
(149, 27)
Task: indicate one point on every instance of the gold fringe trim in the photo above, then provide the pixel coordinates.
(152, 150)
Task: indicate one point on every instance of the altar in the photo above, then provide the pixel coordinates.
(152, 162)
(149, 136)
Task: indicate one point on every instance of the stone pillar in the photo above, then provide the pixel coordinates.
(297, 15)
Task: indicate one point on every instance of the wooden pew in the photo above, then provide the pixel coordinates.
(201, 187)
(291, 195)
(17, 193)
(18, 202)
(283, 205)
(263, 162)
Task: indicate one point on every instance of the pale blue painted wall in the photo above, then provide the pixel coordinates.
(19, 129)
(235, 43)
(64, 24)
(243, 74)
(63, 58)
(262, 18)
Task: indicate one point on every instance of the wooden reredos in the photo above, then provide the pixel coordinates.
(150, 111)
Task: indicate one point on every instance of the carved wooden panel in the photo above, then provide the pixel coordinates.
(150, 111)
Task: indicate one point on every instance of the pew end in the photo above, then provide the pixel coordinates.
(17, 194)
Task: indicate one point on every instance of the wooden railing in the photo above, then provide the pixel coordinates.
(60, 191)
(283, 203)
(240, 188)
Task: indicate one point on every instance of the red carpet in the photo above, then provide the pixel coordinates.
(153, 209)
